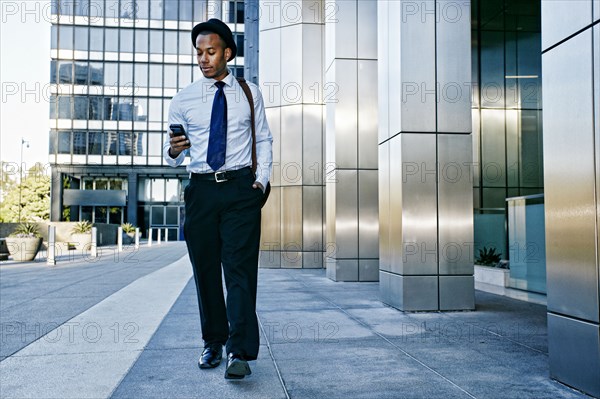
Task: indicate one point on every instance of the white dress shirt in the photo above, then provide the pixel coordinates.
(192, 108)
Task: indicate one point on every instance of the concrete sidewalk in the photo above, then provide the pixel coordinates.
(111, 329)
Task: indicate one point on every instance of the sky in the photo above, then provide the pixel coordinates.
(24, 75)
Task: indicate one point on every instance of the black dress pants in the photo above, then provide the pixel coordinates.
(222, 227)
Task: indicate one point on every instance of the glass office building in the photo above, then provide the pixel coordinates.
(115, 66)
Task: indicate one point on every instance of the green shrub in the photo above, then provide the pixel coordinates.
(488, 257)
(82, 227)
(25, 230)
(128, 228)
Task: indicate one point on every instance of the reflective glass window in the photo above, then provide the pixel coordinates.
(158, 194)
(199, 10)
(53, 71)
(185, 44)
(155, 75)
(141, 108)
(96, 9)
(96, 39)
(79, 142)
(125, 143)
(80, 73)
(111, 74)
(95, 140)
(64, 107)
(170, 42)
(142, 8)
(171, 11)
(99, 108)
(80, 108)
(53, 106)
(82, 7)
(100, 214)
(185, 10)
(115, 215)
(141, 40)
(155, 110)
(155, 144)
(156, 10)
(52, 142)
(112, 9)
(239, 41)
(111, 38)
(65, 72)
(172, 194)
(126, 40)
(86, 213)
(65, 37)
(185, 75)
(64, 143)
(170, 80)
(126, 74)
(96, 73)
(156, 42)
(141, 75)
(111, 143)
(54, 37)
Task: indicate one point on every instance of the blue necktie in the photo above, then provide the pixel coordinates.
(217, 141)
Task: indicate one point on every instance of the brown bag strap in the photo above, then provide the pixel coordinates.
(248, 93)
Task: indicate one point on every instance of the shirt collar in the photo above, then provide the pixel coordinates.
(228, 80)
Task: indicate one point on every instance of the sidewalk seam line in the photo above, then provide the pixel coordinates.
(285, 391)
(386, 339)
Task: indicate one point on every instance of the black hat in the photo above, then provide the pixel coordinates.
(220, 28)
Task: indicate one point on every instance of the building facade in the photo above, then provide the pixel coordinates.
(115, 66)
(400, 130)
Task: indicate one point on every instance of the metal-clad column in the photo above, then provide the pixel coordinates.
(251, 40)
(132, 198)
(571, 82)
(351, 140)
(291, 80)
(425, 153)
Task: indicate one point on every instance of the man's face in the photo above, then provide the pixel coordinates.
(212, 55)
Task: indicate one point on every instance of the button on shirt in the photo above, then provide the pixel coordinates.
(192, 108)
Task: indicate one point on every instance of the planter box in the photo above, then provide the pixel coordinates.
(23, 249)
(492, 275)
(82, 241)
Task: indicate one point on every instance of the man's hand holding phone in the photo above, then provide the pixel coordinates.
(179, 140)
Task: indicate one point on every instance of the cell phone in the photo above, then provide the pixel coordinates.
(178, 130)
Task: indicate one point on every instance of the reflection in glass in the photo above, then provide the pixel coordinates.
(111, 74)
(185, 75)
(126, 74)
(80, 73)
(125, 143)
(141, 108)
(86, 213)
(115, 215)
(95, 143)
(99, 108)
(185, 10)
(54, 37)
(156, 10)
(64, 107)
(65, 72)
(80, 108)
(96, 74)
(111, 144)
(64, 143)
(172, 192)
(100, 214)
(79, 142)
(155, 110)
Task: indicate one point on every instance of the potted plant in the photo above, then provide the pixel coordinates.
(490, 269)
(128, 233)
(24, 243)
(81, 235)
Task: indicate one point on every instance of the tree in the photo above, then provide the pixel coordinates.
(8, 178)
(35, 198)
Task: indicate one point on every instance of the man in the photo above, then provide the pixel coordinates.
(224, 197)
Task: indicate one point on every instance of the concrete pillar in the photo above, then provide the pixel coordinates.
(571, 82)
(425, 187)
(351, 144)
(291, 80)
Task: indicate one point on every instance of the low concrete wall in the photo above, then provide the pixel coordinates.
(107, 233)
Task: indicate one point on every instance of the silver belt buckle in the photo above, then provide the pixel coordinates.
(219, 179)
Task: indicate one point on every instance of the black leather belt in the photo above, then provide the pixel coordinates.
(223, 176)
